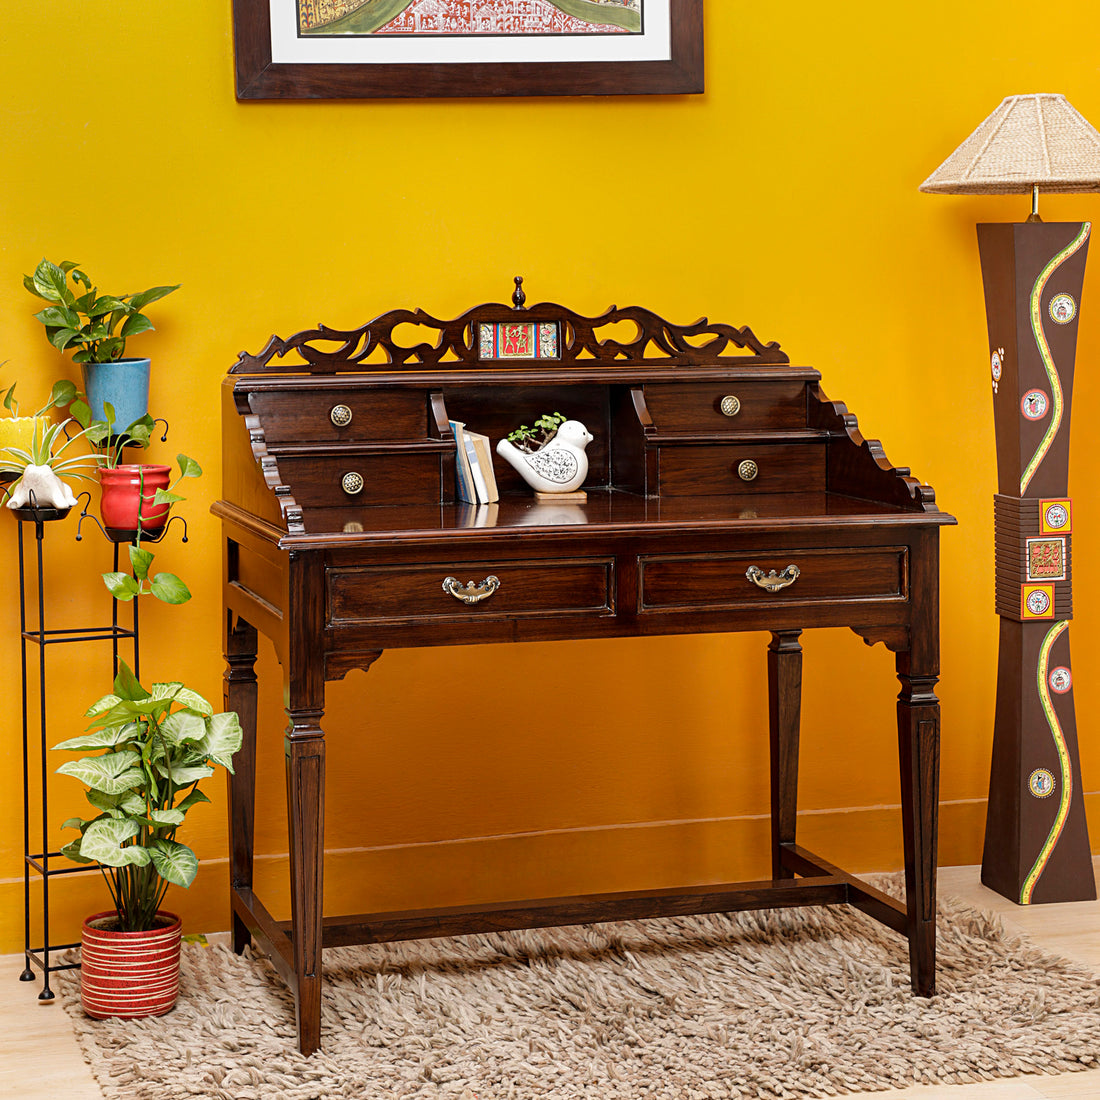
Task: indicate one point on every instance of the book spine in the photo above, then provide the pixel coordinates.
(480, 488)
(485, 460)
(464, 483)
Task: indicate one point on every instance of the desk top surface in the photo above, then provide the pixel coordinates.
(608, 513)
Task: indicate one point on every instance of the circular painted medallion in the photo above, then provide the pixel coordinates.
(996, 365)
(1041, 783)
(1063, 309)
(1056, 516)
(1034, 405)
(1038, 602)
(1060, 679)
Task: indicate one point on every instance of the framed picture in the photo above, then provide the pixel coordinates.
(365, 49)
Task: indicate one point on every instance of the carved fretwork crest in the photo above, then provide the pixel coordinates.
(549, 331)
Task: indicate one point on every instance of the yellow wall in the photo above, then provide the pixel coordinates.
(785, 198)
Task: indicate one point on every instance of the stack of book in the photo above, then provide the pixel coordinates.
(477, 484)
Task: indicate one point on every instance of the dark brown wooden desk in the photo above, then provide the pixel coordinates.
(716, 468)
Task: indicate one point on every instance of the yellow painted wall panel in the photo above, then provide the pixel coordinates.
(784, 198)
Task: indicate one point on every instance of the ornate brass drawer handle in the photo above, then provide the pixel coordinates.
(773, 581)
(730, 405)
(340, 416)
(352, 483)
(471, 592)
(747, 470)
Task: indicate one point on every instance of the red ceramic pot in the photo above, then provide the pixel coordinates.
(123, 487)
(129, 974)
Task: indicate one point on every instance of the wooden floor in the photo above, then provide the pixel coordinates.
(39, 1058)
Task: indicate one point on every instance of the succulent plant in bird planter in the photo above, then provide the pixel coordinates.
(36, 454)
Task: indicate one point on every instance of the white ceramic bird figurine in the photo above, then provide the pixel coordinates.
(559, 467)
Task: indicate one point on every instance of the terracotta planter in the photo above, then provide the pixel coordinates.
(129, 973)
(123, 486)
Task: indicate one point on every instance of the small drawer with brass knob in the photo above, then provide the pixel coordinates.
(714, 408)
(347, 414)
(362, 478)
(731, 468)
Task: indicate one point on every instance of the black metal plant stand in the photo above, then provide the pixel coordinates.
(39, 861)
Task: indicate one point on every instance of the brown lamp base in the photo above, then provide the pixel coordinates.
(1036, 836)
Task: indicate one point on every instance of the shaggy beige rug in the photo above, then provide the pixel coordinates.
(806, 1003)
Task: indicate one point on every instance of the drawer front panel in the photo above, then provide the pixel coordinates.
(319, 481)
(329, 416)
(726, 406)
(397, 593)
(680, 583)
(717, 470)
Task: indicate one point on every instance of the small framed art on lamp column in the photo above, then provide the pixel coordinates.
(1036, 837)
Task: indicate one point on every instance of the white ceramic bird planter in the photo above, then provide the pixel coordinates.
(559, 466)
(48, 490)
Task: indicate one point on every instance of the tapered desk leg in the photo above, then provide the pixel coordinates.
(305, 791)
(784, 714)
(240, 692)
(305, 786)
(919, 751)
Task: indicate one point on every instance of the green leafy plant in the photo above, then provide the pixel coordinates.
(536, 437)
(58, 398)
(96, 325)
(102, 434)
(165, 586)
(152, 750)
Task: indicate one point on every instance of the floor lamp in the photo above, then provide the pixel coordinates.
(1036, 836)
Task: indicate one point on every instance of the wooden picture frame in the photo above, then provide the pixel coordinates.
(262, 76)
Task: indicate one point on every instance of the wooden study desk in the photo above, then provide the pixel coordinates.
(725, 493)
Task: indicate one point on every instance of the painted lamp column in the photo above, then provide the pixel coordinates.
(1036, 836)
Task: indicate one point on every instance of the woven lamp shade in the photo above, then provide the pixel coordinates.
(1028, 141)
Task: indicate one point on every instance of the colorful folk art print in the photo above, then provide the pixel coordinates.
(1046, 559)
(1034, 404)
(469, 17)
(1063, 308)
(518, 340)
(1041, 783)
(1056, 517)
(1037, 601)
(1060, 680)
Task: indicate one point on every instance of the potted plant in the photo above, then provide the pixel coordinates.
(97, 326)
(33, 456)
(128, 503)
(150, 750)
(148, 506)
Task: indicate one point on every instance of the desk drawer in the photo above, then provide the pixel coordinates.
(333, 481)
(399, 593)
(717, 581)
(354, 414)
(712, 407)
(741, 468)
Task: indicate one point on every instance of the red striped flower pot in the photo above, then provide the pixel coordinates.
(129, 973)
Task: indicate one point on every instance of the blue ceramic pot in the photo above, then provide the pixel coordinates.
(124, 384)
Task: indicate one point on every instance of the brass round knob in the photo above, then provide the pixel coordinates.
(352, 483)
(730, 405)
(747, 470)
(340, 416)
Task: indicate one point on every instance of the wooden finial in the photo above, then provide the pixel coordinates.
(518, 297)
